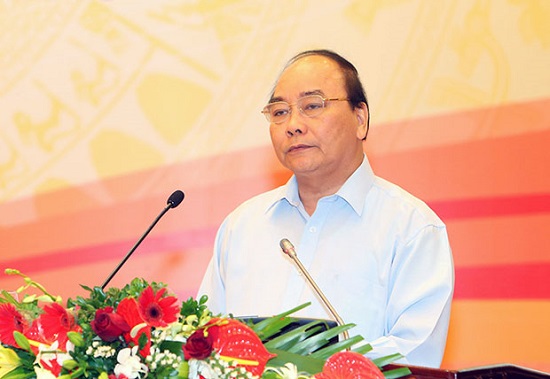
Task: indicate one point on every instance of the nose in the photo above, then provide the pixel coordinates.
(295, 123)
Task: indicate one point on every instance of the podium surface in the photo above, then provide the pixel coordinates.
(504, 371)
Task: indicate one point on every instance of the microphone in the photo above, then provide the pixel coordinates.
(288, 249)
(173, 201)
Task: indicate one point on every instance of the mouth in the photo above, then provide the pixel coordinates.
(297, 148)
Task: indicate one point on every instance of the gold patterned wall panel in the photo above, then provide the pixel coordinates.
(107, 106)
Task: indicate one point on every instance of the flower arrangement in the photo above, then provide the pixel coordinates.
(141, 330)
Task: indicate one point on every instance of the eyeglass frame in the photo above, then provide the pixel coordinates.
(325, 100)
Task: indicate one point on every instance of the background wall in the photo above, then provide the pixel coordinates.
(106, 107)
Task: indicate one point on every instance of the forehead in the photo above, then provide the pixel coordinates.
(311, 74)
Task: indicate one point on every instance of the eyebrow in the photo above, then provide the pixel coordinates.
(275, 99)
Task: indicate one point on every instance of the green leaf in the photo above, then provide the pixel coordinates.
(70, 364)
(194, 307)
(29, 298)
(22, 341)
(326, 352)
(319, 340)
(270, 375)
(172, 346)
(383, 361)
(19, 373)
(364, 349)
(8, 297)
(291, 338)
(308, 340)
(76, 338)
(270, 321)
(303, 363)
(271, 328)
(142, 340)
(183, 371)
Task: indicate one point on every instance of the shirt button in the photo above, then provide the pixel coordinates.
(313, 229)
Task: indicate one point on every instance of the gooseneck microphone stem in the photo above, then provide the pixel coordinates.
(288, 249)
(173, 201)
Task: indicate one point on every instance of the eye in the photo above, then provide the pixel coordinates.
(279, 110)
(312, 104)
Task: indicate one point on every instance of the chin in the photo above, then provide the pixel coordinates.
(301, 163)
(302, 168)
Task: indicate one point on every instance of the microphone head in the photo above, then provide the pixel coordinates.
(175, 199)
(287, 247)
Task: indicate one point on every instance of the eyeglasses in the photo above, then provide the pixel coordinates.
(310, 106)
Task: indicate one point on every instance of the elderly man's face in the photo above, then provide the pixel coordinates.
(327, 144)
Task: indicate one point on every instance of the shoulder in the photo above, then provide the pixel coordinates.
(403, 203)
(257, 205)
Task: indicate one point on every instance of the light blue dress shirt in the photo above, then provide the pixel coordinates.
(380, 256)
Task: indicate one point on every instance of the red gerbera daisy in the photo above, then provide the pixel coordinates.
(128, 309)
(33, 333)
(10, 321)
(56, 322)
(157, 310)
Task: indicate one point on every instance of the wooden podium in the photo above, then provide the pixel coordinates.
(505, 371)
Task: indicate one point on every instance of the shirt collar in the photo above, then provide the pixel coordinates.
(353, 191)
(357, 186)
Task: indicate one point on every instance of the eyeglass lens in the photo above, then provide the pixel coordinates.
(309, 106)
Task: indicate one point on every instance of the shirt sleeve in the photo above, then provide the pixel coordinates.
(212, 283)
(419, 303)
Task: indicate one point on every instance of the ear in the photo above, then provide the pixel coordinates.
(362, 116)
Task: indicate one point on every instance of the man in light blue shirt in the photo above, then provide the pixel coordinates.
(379, 254)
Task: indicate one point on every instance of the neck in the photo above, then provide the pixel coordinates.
(313, 186)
